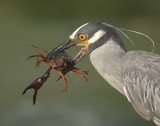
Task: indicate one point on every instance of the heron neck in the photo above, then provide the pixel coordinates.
(107, 61)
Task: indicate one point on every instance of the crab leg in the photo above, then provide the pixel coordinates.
(77, 69)
(41, 49)
(37, 56)
(79, 75)
(73, 70)
(65, 81)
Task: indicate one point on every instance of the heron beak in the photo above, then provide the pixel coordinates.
(61, 47)
(83, 52)
(85, 44)
(69, 44)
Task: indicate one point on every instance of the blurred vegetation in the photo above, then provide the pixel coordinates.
(48, 23)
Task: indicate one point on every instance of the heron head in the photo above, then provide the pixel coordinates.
(90, 36)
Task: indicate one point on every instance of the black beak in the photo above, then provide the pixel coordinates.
(83, 52)
(61, 47)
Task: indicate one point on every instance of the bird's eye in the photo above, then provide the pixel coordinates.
(82, 37)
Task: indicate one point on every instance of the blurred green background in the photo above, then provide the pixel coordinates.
(48, 23)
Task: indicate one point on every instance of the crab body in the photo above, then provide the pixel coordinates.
(62, 62)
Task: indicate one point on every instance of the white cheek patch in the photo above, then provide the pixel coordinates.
(96, 36)
(74, 33)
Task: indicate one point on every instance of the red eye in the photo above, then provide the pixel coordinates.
(82, 37)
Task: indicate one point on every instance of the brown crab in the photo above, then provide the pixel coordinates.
(62, 62)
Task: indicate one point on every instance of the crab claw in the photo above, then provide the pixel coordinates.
(36, 85)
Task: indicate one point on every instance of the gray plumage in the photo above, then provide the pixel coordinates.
(141, 74)
(136, 74)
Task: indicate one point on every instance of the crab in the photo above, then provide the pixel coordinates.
(62, 62)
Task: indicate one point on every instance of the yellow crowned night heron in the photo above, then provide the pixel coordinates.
(135, 74)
